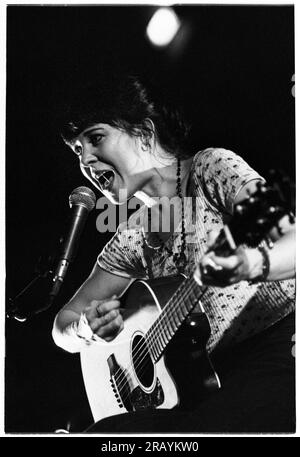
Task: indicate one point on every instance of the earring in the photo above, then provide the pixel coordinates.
(144, 147)
(145, 143)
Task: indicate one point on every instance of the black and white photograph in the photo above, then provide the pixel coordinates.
(150, 221)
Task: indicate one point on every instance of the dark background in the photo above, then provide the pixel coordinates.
(230, 69)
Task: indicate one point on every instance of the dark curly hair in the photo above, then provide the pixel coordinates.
(127, 103)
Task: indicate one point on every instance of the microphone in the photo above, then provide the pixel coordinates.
(82, 200)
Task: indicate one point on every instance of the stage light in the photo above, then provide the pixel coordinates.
(163, 27)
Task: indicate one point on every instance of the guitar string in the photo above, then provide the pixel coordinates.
(154, 334)
(170, 310)
(150, 337)
(144, 349)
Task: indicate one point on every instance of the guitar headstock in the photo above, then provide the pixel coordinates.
(255, 216)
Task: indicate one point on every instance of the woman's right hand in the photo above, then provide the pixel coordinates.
(105, 317)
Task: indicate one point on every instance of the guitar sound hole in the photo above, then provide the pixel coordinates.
(143, 365)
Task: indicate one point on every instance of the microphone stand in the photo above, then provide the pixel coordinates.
(15, 309)
(82, 200)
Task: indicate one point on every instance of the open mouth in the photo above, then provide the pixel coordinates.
(105, 179)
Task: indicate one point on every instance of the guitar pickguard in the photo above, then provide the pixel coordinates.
(142, 400)
(136, 398)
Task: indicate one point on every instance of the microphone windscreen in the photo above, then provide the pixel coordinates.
(83, 196)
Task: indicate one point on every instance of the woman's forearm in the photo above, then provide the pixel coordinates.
(61, 332)
(283, 258)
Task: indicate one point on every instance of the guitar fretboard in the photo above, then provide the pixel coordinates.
(172, 316)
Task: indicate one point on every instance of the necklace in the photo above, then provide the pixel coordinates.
(179, 258)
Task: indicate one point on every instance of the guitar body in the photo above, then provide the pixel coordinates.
(122, 375)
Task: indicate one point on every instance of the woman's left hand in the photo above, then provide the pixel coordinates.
(243, 264)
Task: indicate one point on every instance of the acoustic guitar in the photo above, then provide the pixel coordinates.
(159, 360)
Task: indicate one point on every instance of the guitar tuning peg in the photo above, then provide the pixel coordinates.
(292, 218)
(261, 186)
(264, 189)
(272, 210)
(262, 221)
(252, 200)
(239, 209)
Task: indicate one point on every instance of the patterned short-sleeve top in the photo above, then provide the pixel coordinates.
(235, 312)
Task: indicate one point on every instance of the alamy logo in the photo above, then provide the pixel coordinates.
(112, 215)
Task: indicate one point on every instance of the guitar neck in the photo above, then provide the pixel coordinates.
(252, 220)
(180, 306)
(173, 315)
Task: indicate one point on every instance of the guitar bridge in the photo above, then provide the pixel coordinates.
(119, 383)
